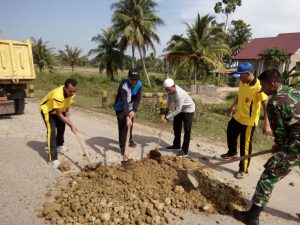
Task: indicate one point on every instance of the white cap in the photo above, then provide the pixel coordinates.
(168, 83)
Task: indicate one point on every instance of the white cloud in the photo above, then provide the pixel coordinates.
(266, 17)
(270, 17)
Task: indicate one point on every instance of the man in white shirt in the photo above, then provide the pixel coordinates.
(182, 114)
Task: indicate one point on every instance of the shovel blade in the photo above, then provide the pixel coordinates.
(192, 178)
(155, 155)
(128, 164)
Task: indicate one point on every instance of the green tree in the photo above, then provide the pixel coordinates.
(70, 56)
(42, 54)
(273, 57)
(238, 35)
(201, 49)
(136, 22)
(108, 54)
(227, 7)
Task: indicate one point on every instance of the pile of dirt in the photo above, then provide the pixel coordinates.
(151, 193)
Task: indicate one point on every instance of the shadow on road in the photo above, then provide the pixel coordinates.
(40, 147)
(281, 214)
(145, 141)
(101, 145)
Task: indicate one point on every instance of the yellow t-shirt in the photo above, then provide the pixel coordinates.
(55, 100)
(249, 102)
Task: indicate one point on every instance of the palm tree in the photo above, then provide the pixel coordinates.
(42, 55)
(136, 21)
(108, 53)
(70, 56)
(202, 49)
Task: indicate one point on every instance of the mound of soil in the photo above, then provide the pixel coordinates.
(151, 193)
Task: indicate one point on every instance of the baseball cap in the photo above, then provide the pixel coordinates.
(134, 74)
(168, 83)
(243, 68)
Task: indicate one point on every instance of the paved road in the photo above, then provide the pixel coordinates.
(25, 177)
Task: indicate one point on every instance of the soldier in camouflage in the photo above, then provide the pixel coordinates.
(284, 115)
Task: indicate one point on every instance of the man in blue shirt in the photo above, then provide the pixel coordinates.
(127, 101)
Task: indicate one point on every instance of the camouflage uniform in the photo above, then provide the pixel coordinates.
(284, 115)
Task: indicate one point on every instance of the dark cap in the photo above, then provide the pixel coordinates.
(134, 74)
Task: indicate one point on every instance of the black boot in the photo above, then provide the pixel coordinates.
(250, 217)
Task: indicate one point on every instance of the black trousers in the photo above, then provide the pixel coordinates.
(122, 127)
(55, 133)
(234, 129)
(186, 119)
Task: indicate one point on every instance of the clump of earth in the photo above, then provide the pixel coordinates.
(150, 193)
(64, 166)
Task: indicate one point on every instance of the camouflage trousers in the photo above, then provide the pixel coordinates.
(276, 168)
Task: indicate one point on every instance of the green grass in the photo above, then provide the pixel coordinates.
(210, 120)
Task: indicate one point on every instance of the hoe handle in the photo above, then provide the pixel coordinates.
(233, 160)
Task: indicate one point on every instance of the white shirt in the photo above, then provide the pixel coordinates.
(183, 102)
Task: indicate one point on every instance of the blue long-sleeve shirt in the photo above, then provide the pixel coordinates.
(128, 98)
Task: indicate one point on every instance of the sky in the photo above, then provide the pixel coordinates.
(75, 22)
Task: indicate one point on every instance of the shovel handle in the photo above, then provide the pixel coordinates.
(83, 148)
(159, 138)
(233, 160)
(126, 152)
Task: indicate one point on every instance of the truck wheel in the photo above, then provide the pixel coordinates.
(19, 106)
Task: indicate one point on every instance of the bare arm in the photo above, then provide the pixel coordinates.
(66, 119)
(267, 128)
(232, 107)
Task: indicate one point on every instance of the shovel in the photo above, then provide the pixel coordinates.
(83, 149)
(155, 154)
(193, 179)
(127, 163)
(90, 166)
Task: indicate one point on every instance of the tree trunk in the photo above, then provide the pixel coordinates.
(72, 69)
(166, 68)
(226, 23)
(145, 70)
(195, 74)
(133, 58)
(112, 77)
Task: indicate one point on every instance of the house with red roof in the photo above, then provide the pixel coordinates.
(289, 42)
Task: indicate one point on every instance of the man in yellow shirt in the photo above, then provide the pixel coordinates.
(55, 112)
(248, 102)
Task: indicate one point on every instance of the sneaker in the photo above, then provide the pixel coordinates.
(62, 148)
(240, 175)
(174, 148)
(54, 163)
(182, 154)
(228, 156)
(132, 144)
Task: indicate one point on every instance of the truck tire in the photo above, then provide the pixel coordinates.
(19, 106)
